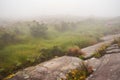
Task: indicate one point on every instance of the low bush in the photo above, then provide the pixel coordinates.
(116, 41)
(47, 54)
(75, 51)
(100, 51)
(80, 73)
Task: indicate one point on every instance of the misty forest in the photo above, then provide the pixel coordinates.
(49, 47)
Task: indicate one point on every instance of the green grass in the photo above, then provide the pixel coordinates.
(18, 54)
(101, 51)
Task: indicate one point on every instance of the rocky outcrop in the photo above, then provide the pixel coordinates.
(54, 69)
(108, 66)
(105, 40)
(105, 68)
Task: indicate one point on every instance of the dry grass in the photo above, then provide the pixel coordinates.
(80, 73)
(101, 51)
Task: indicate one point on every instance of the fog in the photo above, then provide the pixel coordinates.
(35, 8)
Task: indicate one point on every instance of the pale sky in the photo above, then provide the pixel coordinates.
(31, 8)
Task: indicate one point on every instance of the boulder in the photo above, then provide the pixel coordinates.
(54, 69)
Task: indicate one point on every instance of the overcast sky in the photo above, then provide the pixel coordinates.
(31, 8)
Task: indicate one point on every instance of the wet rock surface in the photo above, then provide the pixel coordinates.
(105, 40)
(109, 66)
(54, 69)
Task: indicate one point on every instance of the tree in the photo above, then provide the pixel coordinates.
(38, 30)
(6, 37)
(65, 26)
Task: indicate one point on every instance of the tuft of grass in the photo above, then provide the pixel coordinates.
(9, 77)
(116, 41)
(101, 51)
(80, 73)
(81, 57)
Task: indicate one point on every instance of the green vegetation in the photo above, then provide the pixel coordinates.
(119, 43)
(101, 51)
(38, 30)
(80, 73)
(27, 43)
(116, 41)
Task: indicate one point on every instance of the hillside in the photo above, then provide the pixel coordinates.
(106, 67)
(27, 43)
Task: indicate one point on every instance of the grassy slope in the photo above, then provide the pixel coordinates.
(17, 54)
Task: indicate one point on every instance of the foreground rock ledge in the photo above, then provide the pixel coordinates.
(109, 65)
(54, 69)
(109, 69)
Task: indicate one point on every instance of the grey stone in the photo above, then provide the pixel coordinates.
(50, 70)
(109, 70)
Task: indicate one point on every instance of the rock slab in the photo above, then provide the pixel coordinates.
(109, 66)
(54, 69)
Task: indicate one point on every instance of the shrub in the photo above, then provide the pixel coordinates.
(116, 41)
(101, 51)
(47, 54)
(62, 27)
(80, 73)
(38, 30)
(75, 51)
(7, 37)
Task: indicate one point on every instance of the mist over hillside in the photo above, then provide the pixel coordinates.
(35, 31)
